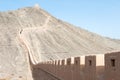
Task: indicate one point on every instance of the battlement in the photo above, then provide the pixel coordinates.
(90, 67)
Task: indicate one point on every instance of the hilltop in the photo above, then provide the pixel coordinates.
(32, 34)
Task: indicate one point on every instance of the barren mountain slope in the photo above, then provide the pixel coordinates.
(35, 33)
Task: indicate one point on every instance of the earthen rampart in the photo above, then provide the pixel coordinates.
(89, 67)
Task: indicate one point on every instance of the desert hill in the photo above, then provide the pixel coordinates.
(33, 34)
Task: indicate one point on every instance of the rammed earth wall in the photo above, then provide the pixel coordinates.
(94, 67)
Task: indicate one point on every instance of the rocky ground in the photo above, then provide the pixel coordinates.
(32, 34)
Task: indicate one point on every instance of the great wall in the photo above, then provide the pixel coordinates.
(89, 67)
(34, 45)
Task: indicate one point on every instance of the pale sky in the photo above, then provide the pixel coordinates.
(99, 16)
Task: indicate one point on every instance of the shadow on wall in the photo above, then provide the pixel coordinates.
(39, 74)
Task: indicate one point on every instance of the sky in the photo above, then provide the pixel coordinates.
(98, 16)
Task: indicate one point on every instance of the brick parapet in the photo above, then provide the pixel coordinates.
(85, 67)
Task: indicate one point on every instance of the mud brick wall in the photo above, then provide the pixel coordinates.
(112, 66)
(90, 68)
(76, 69)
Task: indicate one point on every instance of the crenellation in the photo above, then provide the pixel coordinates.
(112, 66)
(76, 69)
(89, 67)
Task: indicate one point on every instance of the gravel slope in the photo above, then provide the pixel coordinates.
(33, 32)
